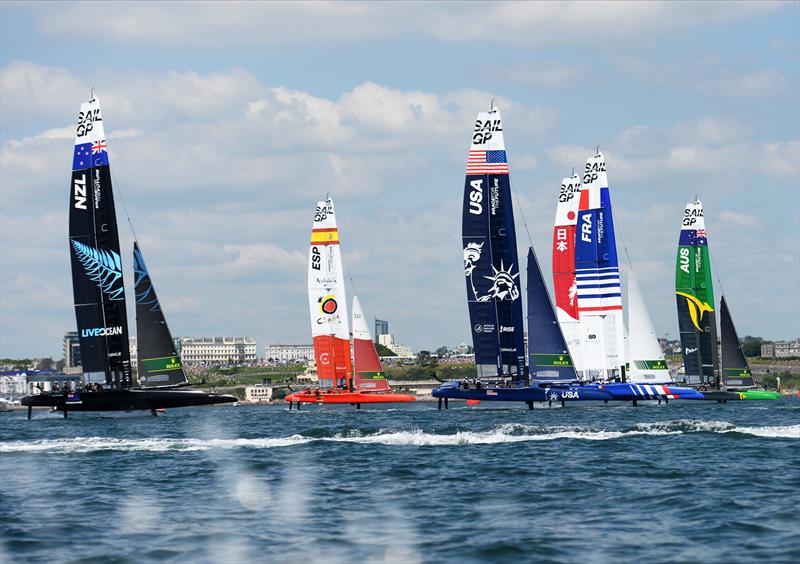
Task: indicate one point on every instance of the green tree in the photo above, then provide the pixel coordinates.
(441, 351)
(384, 350)
(751, 346)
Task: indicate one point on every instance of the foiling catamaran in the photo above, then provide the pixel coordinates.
(100, 303)
(338, 382)
(586, 278)
(694, 292)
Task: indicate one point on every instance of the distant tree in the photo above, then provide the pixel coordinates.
(441, 351)
(751, 346)
(424, 358)
(383, 350)
(44, 364)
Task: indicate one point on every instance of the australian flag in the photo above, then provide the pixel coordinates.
(90, 154)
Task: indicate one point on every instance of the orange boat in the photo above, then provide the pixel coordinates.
(338, 382)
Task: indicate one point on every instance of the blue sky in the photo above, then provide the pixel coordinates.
(227, 122)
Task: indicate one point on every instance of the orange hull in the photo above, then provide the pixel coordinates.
(344, 396)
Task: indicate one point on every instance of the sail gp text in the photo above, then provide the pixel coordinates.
(86, 121)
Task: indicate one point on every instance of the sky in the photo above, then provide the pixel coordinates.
(226, 123)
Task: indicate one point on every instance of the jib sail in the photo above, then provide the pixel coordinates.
(735, 370)
(369, 374)
(159, 363)
(548, 356)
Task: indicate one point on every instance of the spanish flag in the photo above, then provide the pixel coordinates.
(327, 236)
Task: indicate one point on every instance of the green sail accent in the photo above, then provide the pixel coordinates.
(161, 364)
(372, 375)
(651, 364)
(552, 359)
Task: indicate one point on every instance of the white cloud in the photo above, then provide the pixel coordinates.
(545, 74)
(737, 218)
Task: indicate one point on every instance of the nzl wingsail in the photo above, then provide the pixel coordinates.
(97, 282)
(694, 292)
(159, 362)
(99, 295)
(331, 331)
(491, 264)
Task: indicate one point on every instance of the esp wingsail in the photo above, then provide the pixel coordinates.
(97, 281)
(491, 264)
(159, 363)
(327, 301)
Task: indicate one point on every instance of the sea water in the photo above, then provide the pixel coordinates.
(688, 481)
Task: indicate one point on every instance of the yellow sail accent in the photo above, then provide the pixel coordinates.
(697, 309)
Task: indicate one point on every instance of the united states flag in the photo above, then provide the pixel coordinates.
(487, 162)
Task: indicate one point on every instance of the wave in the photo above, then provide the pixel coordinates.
(507, 433)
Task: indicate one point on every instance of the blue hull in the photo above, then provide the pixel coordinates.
(568, 392)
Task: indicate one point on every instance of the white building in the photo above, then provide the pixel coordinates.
(310, 375)
(258, 393)
(289, 353)
(781, 349)
(13, 387)
(398, 349)
(218, 350)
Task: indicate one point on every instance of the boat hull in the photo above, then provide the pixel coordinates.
(344, 396)
(760, 395)
(125, 400)
(636, 392)
(454, 390)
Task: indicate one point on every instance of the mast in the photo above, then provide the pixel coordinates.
(97, 281)
(564, 285)
(159, 363)
(735, 369)
(548, 356)
(491, 264)
(694, 293)
(327, 301)
(368, 375)
(646, 359)
(597, 276)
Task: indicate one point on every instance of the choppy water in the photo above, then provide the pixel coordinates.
(685, 482)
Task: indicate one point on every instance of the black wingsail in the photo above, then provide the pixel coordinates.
(491, 265)
(97, 281)
(735, 370)
(159, 363)
(548, 356)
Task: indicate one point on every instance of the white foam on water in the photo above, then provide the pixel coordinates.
(93, 444)
(507, 433)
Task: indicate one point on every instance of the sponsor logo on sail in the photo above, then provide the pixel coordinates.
(328, 305)
(102, 331)
(697, 309)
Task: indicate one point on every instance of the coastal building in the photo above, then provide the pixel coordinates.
(398, 349)
(288, 353)
(218, 350)
(72, 351)
(381, 328)
(310, 374)
(258, 393)
(781, 349)
(13, 386)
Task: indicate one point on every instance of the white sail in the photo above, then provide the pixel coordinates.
(646, 361)
(360, 328)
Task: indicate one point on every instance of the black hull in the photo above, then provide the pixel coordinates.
(721, 396)
(125, 400)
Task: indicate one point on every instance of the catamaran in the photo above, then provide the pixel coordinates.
(491, 271)
(100, 303)
(694, 292)
(330, 328)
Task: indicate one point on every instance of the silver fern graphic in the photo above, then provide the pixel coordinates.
(144, 295)
(102, 267)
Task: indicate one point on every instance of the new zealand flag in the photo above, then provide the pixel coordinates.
(90, 154)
